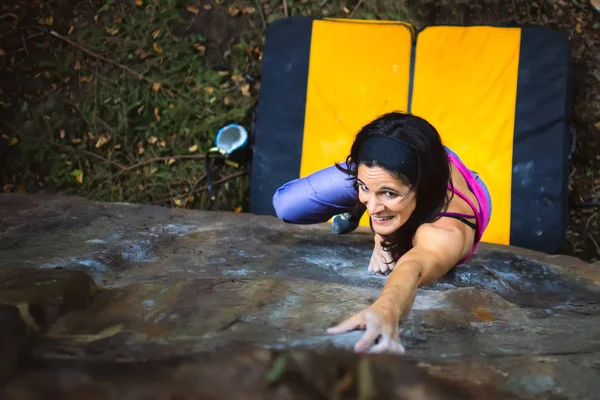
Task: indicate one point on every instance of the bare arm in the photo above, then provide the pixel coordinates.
(436, 250)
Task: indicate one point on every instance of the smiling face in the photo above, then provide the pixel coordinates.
(388, 200)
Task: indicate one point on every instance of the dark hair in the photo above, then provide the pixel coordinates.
(429, 182)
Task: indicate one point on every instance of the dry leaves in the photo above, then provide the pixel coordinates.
(193, 9)
(201, 49)
(193, 148)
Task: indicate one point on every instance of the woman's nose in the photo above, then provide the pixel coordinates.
(374, 206)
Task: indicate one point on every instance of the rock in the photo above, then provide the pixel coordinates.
(202, 304)
(30, 301)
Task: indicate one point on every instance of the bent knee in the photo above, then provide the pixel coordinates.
(286, 208)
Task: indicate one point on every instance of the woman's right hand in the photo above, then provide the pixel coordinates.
(380, 259)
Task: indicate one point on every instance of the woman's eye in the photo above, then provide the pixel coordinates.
(391, 195)
(363, 187)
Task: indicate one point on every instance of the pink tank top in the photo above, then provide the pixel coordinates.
(482, 216)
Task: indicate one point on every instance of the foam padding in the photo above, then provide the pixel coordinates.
(351, 78)
(500, 98)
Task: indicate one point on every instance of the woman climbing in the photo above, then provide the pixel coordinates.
(427, 211)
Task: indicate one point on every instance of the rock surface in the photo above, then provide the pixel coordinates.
(129, 301)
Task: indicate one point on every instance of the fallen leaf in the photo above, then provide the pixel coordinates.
(90, 135)
(116, 147)
(209, 90)
(162, 144)
(249, 10)
(157, 48)
(62, 133)
(141, 187)
(237, 209)
(153, 139)
(141, 151)
(223, 73)
(139, 110)
(578, 28)
(156, 114)
(153, 170)
(84, 79)
(71, 29)
(177, 202)
(226, 101)
(49, 21)
(245, 90)
(156, 87)
(96, 18)
(155, 34)
(102, 140)
(171, 106)
(233, 10)
(139, 3)
(193, 149)
(77, 66)
(78, 174)
(201, 49)
(193, 9)
(171, 161)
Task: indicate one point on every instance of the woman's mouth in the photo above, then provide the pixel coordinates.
(381, 220)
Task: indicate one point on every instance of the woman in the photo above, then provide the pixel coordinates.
(427, 210)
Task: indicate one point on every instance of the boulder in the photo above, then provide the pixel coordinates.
(131, 301)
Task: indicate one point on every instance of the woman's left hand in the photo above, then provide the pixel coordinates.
(381, 322)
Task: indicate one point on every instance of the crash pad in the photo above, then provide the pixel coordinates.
(124, 300)
(500, 98)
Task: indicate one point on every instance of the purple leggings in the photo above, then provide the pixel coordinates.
(316, 198)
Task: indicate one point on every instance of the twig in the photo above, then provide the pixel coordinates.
(89, 153)
(285, 10)
(91, 53)
(150, 23)
(24, 44)
(596, 245)
(200, 189)
(104, 123)
(515, 10)
(194, 187)
(355, 8)
(153, 160)
(261, 13)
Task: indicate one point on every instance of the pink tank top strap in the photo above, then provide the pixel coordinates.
(480, 214)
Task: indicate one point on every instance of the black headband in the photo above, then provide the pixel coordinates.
(393, 154)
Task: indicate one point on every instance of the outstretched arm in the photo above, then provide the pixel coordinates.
(436, 250)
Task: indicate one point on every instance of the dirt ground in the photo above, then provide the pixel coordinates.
(230, 35)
